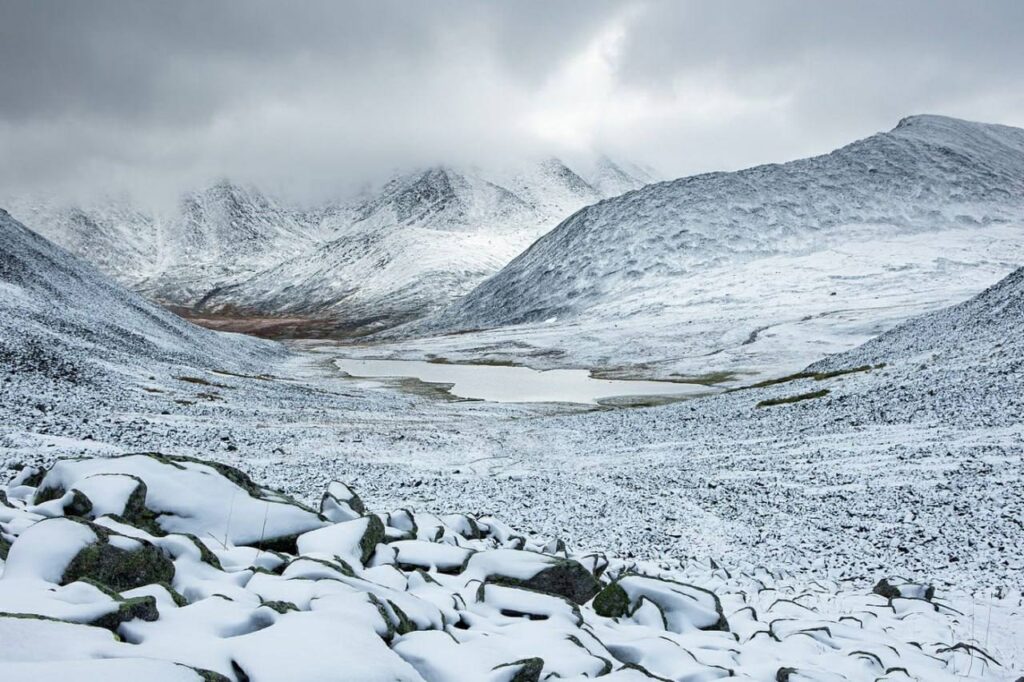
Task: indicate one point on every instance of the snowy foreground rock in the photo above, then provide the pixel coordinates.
(149, 567)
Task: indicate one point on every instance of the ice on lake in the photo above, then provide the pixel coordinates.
(517, 384)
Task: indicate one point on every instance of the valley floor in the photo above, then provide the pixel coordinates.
(872, 483)
(864, 482)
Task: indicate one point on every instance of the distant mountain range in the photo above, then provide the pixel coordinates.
(390, 255)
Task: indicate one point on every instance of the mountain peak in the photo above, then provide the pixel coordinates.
(921, 120)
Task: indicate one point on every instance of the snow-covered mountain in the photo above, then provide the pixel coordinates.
(413, 245)
(425, 239)
(220, 235)
(612, 178)
(929, 173)
(111, 233)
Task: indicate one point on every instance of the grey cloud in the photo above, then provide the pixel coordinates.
(313, 94)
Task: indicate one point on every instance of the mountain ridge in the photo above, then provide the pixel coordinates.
(230, 249)
(887, 181)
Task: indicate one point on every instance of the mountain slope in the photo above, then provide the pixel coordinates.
(986, 330)
(929, 173)
(112, 234)
(611, 178)
(220, 235)
(61, 320)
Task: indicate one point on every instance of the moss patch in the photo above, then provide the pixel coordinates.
(373, 536)
(816, 376)
(612, 602)
(708, 379)
(529, 669)
(201, 381)
(143, 608)
(794, 398)
(119, 569)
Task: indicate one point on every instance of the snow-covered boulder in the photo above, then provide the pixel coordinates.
(352, 541)
(408, 597)
(677, 606)
(341, 503)
(905, 589)
(183, 495)
(413, 554)
(64, 550)
(534, 571)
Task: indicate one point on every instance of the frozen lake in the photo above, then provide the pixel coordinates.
(517, 384)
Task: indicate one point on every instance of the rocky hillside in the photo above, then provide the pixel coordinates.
(113, 235)
(63, 321)
(929, 173)
(984, 330)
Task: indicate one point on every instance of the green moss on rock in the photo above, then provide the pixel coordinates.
(143, 608)
(529, 669)
(80, 505)
(119, 569)
(612, 602)
(205, 555)
(209, 675)
(567, 578)
(373, 536)
(404, 625)
(281, 607)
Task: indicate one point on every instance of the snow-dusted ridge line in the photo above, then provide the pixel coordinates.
(391, 254)
(146, 547)
(62, 319)
(928, 174)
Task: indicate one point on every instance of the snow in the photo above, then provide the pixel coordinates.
(100, 671)
(184, 504)
(788, 513)
(52, 546)
(342, 540)
(818, 254)
(32, 639)
(681, 607)
(430, 555)
(383, 257)
(270, 654)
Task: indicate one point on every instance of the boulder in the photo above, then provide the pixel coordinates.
(534, 571)
(182, 495)
(903, 589)
(352, 541)
(341, 503)
(683, 607)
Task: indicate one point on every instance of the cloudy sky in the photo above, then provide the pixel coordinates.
(310, 96)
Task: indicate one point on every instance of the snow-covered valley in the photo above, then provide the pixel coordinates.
(859, 428)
